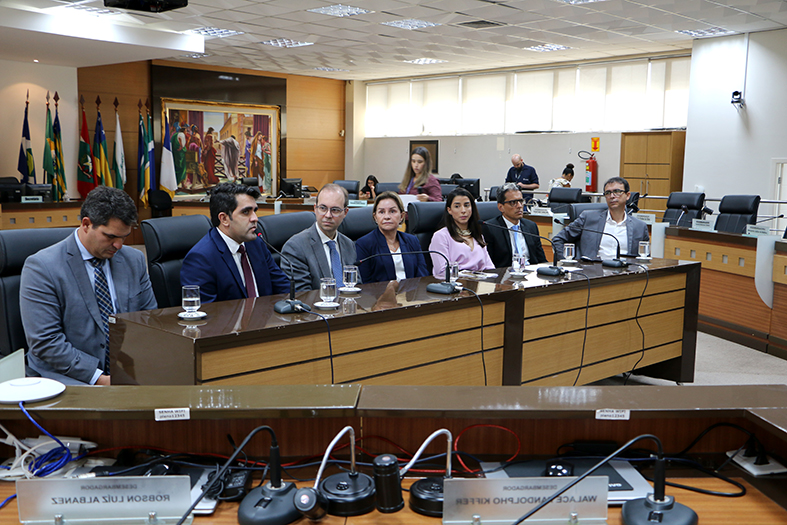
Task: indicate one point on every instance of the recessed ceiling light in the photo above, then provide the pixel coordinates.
(543, 48)
(410, 23)
(285, 42)
(35, 60)
(340, 10)
(703, 33)
(425, 61)
(576, 2)
(195, 55)
(329, 69)
(215, 32)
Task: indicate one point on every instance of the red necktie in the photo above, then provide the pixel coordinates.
(247, 276)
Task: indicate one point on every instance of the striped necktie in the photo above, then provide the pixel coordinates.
(336, 264)
(104, 299)
(515, 227)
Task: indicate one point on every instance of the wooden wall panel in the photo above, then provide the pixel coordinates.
(314, 92)
(733, 299)
(779, 312)
(315, 123)
(317, 155)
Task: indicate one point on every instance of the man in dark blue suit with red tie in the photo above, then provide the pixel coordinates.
(230, 262)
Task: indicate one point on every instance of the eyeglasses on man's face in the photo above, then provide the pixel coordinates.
(323, 209)
(515, 202)
(616, 192)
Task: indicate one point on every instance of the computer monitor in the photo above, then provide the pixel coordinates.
(291, 188)
(471, 185)
(11, 191)
(39, 190)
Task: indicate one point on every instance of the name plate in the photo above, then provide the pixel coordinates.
(130, 499)
(647, 218)
(755, 230)
(32, 198)
(541, 210)
(507, 500)
(702, 225)
(357, 203)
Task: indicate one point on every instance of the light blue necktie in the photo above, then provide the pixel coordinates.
(336, 264)
(515, 227)
(104, 299)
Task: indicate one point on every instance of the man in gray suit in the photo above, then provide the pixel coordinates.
(584, 230)
(69, 291)
(320, 250)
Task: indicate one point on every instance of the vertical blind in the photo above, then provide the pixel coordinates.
(625, 96)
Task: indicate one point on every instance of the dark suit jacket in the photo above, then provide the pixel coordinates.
(210, 265)
(382, 268)
(499, 242)
(307, 254)
(582, 232)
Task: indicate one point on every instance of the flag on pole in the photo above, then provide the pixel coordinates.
(59, 185)
(100, 163)
(143, 173)
(49, 147)
(86, 179)
(151, 154)
(168, 178)
(118, 155)
(26, 165)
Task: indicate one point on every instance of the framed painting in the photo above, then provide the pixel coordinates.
(432, 146)
(215, 142)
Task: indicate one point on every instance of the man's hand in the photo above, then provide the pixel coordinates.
(103, 380)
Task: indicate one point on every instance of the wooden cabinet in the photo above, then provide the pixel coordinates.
(652, 162)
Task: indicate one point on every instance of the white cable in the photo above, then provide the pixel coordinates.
(330, 449)
(424, 445)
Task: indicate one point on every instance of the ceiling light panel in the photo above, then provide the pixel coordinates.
(410, 23)
(545, 48)
(705, 33)
(285, 42)
(579, 2)
(215, 32)
(425, 61)
(339, 10)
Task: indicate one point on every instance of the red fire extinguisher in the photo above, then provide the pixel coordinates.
(591, 171)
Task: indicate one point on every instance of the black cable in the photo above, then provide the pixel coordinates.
(330, 346)
(585, 333)
(712, 427)
(636, 319)
(483, 353)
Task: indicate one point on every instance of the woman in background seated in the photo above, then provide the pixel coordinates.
(460, 240)
(388, 213)
(418, 179)
(564, 181)
(369, 190)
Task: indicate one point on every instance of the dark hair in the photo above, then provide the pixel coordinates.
(505, 188)
(472, 224)
(373, 179)
(223, 199)
(335, 187)
(619, 180)
(104, 203)
(569, 169)
(409, 173)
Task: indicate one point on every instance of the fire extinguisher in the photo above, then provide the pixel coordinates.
(591, 171)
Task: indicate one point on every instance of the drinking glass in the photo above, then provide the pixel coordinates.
(327, 289)
(454, 275)
(644, 249)
(190, 298)
(568, 252)
(350, 276)
(519, 262)
(349, 306)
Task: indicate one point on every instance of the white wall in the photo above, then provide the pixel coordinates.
(729, 151)
(15, 80)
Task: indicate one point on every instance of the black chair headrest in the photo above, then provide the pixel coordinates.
(424, 217)
(159, 200)
(565, 195)
(487, 210)
(169, 238)
(358, 222)
(575, 209)
(692, 201)
(743, 204)
(17, 245)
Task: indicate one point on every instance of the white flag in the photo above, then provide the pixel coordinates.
(168, 179)
(119, 160)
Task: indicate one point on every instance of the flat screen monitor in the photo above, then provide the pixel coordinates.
(11, 192)
(471, 185)
(291, 188)
(40, 190)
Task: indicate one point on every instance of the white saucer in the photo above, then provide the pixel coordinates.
(192, 315)
(326, 305)
(517, 274)
(30, 389)
(347, 289)
(644, 258)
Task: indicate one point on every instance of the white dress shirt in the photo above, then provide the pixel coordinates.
(234, 248)
(324, 239)
(608, 249)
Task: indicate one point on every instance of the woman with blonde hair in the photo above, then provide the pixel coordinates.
(418, 179)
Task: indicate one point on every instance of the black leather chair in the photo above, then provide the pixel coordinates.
(560, 198)
(736, 211)
(632, 204)
(160, 203)
(358, 222)
(445, 189)
(15, 247)
(167, 241)
(487, 210)
(277, 229)
(352, 187)
(694, 202)
(423, 219)
(493, 193)
(575, 210)
(250, 181)
(387, 186)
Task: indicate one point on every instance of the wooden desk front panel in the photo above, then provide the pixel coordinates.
(38, 216)
(722, 257)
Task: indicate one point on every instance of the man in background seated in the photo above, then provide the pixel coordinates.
(502, 244)
(628, 230)
(321, 251)
(69, 290)
(523, 176)
(230, 261)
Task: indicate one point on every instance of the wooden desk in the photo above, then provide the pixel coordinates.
(399, 333)
(15, 216)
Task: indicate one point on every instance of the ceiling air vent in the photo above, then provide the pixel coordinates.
(480, 24)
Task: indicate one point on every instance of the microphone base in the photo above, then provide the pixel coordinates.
(268, 505)
(550, 271)
(640, 511)
(290, 306)
(614, 263)
(442, 288)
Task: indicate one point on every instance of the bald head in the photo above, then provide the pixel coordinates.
(516, 160)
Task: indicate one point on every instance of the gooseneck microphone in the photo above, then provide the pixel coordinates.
(683, 210)
(291, 305)
(766, 219)
(446, 287)
(610, 263)
(549, 271)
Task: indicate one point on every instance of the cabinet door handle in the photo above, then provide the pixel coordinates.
(647, 186)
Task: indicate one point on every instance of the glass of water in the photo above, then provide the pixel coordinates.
(644, 249)
(327, 289)
(568, 252)
(190, 298)
(350, 276)
(454, 273)
(518, 263)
